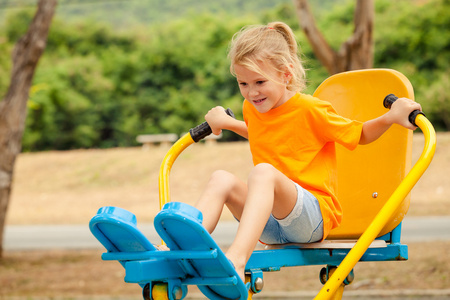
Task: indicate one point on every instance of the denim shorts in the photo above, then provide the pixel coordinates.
(303, 225)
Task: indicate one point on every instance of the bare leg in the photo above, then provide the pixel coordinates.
(269, 191)
(223, 189)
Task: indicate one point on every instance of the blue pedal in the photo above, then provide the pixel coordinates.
(179, 225)
(194, 257)
(115, 228)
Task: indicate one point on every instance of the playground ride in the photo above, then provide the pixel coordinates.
(374, 185)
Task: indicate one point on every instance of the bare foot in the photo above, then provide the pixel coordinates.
(239, 267)
(162, 248)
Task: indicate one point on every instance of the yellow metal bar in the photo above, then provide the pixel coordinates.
(159, 292)
(339, 293)
(166, 165)
(335, 281)
(248, 278)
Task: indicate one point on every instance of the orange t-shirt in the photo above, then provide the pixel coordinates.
(298, 138)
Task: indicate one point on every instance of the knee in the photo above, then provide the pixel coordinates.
(227, 185)
(222, 178)
(262, 173)
(221, 175)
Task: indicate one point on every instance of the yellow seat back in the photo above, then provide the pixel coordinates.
(368, 175)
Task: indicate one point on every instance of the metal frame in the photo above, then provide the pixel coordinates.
(140, 265)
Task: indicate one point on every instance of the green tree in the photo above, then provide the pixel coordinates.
(419, 47)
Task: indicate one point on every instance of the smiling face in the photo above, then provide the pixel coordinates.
(264, 92)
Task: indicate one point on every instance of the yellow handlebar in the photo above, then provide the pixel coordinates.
(166, 165)
(355, 254)
(195, 134)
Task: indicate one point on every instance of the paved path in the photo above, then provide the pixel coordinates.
(41, 237)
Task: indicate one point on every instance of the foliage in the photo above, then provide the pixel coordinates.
(419, 47)
(98, 86)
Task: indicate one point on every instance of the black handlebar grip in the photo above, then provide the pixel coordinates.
(230, 113)
(203, 130)
(391, 98)
(412, 116)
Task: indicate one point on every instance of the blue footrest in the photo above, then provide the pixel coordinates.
(194, 257)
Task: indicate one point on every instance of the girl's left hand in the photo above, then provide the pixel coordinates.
(400, 111)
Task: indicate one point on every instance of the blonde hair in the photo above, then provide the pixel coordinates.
(275, 43)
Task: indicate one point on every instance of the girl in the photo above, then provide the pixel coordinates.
(290, 193)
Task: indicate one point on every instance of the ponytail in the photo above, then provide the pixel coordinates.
(288, 35)
(274, 43)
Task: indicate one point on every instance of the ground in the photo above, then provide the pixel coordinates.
(68, 187)
(81, 273)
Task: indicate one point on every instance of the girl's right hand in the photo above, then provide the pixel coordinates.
(218, 119)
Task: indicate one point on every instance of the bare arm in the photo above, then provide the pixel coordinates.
(218, 120)
(398, 114)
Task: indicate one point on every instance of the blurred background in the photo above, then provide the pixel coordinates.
(115, 69)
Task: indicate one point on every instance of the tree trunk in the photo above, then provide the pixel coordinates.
(356, 53)
(13, 108)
